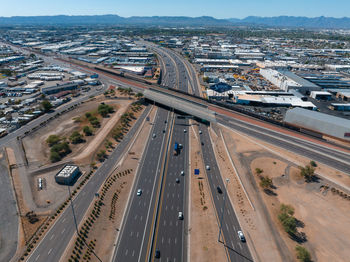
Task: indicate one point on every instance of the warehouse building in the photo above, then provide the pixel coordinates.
(321, 95)
(59, 88)
(324, 124)
(271, 99)
(67, 175)
(287, 80)
(339, 107)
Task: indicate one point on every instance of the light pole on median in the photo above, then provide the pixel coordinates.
(223, 209)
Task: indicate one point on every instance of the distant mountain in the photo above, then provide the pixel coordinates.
(297, 21)
(62, 20)
(115, 20)
(279, 21)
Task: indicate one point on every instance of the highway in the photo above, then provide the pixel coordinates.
(169, 236)
(133, 239)
(235, 249)
(57, 238)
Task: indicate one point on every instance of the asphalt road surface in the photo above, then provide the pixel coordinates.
(134, 236)
(337, 159)
(57, 238)
(8, 214)
(235, 249)
(169, 236)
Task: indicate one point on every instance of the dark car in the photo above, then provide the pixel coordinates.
(219, 190)
(157, 254)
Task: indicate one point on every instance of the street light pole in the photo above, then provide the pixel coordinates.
(223, 209)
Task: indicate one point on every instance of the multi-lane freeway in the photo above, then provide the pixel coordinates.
(151, 222)
(235, 249)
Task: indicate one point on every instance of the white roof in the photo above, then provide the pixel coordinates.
(67, 171)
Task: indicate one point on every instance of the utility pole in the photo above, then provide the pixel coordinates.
(223, 209)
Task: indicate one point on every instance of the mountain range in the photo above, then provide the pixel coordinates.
(279, 21)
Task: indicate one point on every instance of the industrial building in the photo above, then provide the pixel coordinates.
(321, 95)
(339, 107)
(271, 98)
(59, 88)
(67, 175)
(286, 80)
(323, 124)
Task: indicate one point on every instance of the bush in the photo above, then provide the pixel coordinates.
(87, 130)
(94, 122)
(104, 110)
(259, 171)
(313, 163)
(53, 139)
(76, 138)
(55, 157)
(287, 220)
(303, 254)
(46, 106)
(101, 155)
(266, 182)
(88, 115)
(307, 172)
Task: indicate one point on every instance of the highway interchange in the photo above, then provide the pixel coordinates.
(151, 221)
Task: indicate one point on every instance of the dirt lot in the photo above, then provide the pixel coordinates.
(104, 231)
(37, 150)
(316, 208)
(203, 221)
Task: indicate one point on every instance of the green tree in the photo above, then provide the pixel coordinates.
(101, 155)
(139, 95)
(266, 182)
(287, 209)
(87, 130)
(287, 220)
(259, 171)
(303, 254)
(307, 172)
(104, 110)
(46, 105)
(88, 115)
(53, 139)
(76, 138)
(95, 123)
(55, 157)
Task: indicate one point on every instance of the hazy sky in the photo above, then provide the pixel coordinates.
(216, 8)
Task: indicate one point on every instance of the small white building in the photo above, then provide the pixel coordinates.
(67, 174)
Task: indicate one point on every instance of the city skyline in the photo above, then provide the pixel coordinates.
(224, 9)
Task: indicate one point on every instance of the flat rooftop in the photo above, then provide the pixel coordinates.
(67, 171)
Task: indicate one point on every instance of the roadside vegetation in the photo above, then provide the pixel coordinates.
(303, 254)
(308, 172)
(60, 146)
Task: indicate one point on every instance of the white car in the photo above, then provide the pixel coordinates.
(241, 236)
(139, 192)
(200, 132)
(185, 131)
(154, 135)
(182, 173)
(207, 167)
(181, 216)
